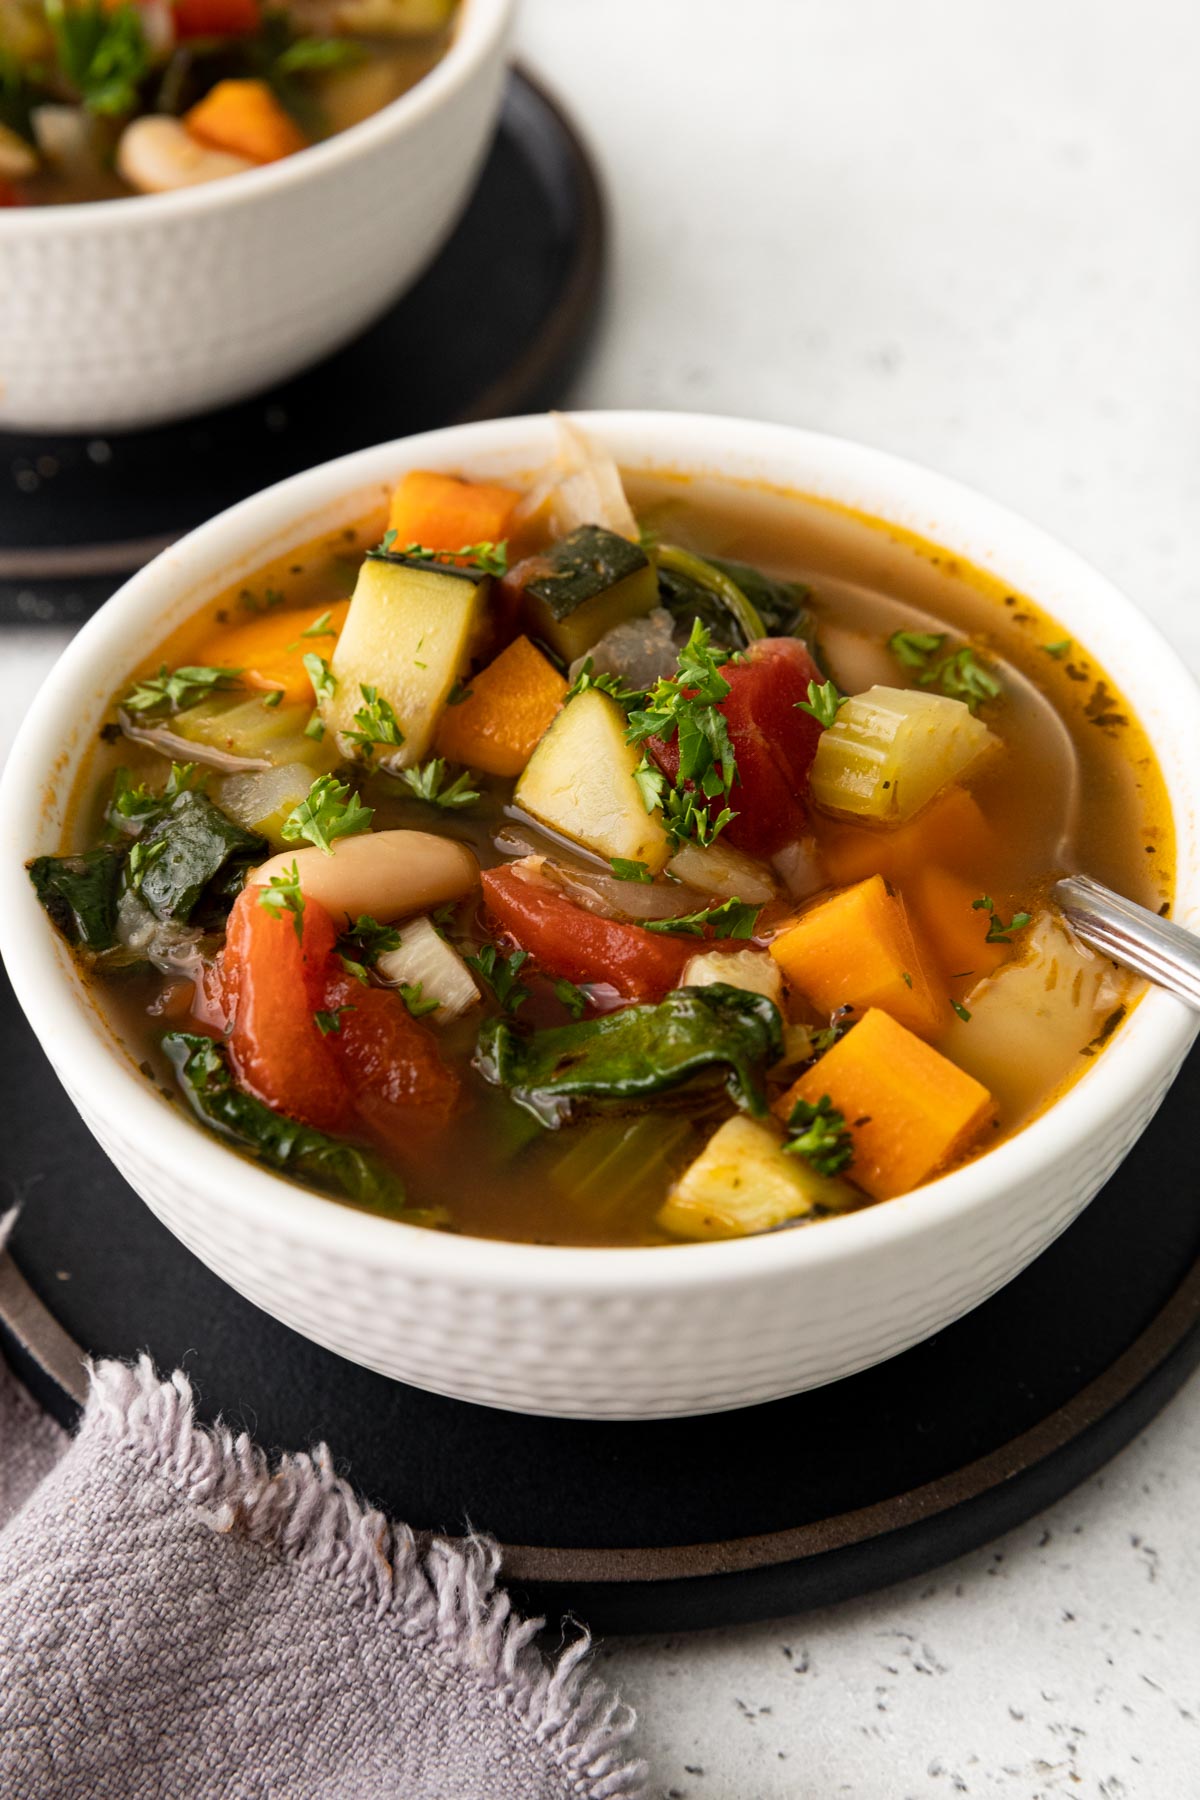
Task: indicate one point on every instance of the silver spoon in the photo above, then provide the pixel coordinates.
(1165, 952)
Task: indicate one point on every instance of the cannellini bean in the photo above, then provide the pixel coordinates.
(388, 874)
(18, 160)
(157, 155)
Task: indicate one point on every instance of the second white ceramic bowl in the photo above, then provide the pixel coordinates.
(575, 1332)
(123, 313)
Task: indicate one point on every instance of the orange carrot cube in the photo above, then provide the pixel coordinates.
(855, 948)
(508, 707)
(911, 1111)
(443, 512)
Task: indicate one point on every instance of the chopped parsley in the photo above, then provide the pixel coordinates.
(315, 728)
(324, 681)
(428, 782)
(500, 972)
(375, 721)
(329, 1023)
(575, 999)
(961, 1010)
(604, 684)
(133, 807)
(282, 894)
(733, 918)
(627, 870)
(820, 1135)
(1059, 650)
(320, 627)
(363, 942)
(412, 994)
(823, 703)
(310, 55)
(458, 693)
(178, 688)
(959, 674)
(684, 707)
(273, 698)
(489, 558)
(998, 932)
(331, 810)
(140, 858)
(102, 53)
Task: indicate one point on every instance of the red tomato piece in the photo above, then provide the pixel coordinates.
(565, 939)
(274, 982)
(773, 744)
(390, 1062)
(217, 18)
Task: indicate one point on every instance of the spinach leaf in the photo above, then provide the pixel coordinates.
(637, 1053)
(205, 856)
(279, 1142)
(80, 894)
(781, 605)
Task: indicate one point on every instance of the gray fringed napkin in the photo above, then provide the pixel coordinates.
(180, 1622)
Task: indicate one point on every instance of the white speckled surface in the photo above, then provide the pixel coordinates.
(969, 236)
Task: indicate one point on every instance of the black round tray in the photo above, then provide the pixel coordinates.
(496, 325)
(663, 1525)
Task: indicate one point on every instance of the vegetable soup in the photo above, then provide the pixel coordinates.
(609, 859)
(148, 96)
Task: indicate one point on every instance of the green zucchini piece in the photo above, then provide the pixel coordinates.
(584, 586)
(281, 1143)
(409, 636)
(80, 893)
(241, 726)
(637, 1053)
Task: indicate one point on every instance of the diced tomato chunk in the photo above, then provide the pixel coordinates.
(217, 18)
(773, 744)
(273, 983)
(402, 1090)
(565, 939)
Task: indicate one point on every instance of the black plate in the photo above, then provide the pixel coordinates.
(671, 1524)
(495, 326)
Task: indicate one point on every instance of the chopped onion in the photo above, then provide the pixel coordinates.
(639, 651)
(583, 486)
(800, 867)
(725, 873)
(424, 959)
(609, 896)
(181, 749)
(755, 971)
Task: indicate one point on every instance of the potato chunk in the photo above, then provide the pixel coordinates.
(579, 781)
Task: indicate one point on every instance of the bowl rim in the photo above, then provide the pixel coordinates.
(480, 31)
(1142, 1056)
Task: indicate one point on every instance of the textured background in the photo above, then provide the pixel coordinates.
(968, 235)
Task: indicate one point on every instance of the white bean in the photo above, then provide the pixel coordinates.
(388, 874)
(156, 155)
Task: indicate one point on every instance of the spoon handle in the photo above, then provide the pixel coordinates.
(1132, 935)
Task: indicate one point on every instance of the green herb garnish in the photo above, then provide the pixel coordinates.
(375, 721)
(178, 688)
(331, 810)
(489, 558)
(313, 55)
(315, 728)
(820, 1135)
(500, 972)
(141, 857)
(281, 894)
(823, 703)
(330, 1023)
(575, 999)
(367, 940)
(626, 870)
(427, 781)
(998, 932)
(959, 675)
(324, 681)
(684, 707)
(412, 994)
(733, 918)
(1058, 650)
(961, 1010)
(102, 53)
(605, 684)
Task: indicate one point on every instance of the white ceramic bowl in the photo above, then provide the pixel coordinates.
(126, 312)
(576, 1332)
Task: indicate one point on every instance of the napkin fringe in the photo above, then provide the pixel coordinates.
(442, 1592)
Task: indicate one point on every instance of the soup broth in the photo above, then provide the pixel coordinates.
(1069, 782)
